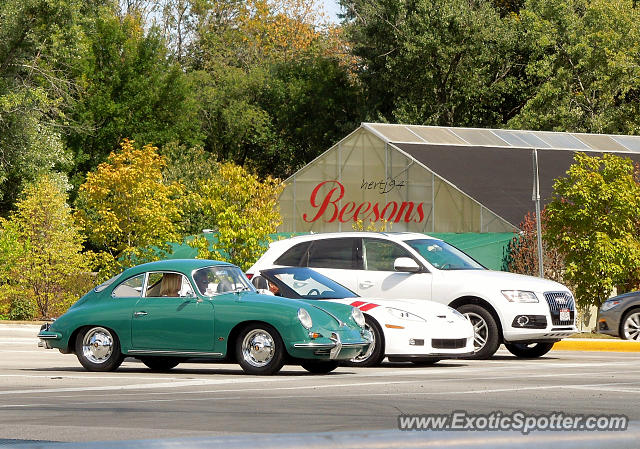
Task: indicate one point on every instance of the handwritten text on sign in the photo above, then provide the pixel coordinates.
(327, 208)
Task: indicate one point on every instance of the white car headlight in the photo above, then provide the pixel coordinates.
(404, 315)
(305, 318)
(607, 305)
(519, 296)
(358, 317)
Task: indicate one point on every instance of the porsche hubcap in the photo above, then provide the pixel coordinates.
(480, 330)
(258, 348)
(632, 327)
(97, 345)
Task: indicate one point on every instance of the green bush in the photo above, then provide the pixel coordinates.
(22, 309)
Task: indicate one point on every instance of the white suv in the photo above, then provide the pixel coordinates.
(526, 313)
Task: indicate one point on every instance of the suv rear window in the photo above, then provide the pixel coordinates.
(294, 255)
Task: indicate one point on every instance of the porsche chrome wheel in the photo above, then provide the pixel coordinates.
(259, 349)
(98, 349)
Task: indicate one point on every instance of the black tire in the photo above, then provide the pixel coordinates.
(487, 335)
(160, 363)
(529, 350)
(98, 349)
(251, 353)
(319, 366)
(425, 362)
(373, 356)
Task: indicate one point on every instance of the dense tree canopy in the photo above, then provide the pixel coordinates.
(593, 221)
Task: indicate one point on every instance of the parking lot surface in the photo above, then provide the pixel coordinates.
(48, 396)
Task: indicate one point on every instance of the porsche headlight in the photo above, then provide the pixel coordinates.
(608, 305)
(404, 315)
(358, 317)
(305, 318)
(519, 296)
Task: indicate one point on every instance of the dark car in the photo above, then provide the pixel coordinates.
(620, 316)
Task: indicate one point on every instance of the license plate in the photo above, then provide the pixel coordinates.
(565, 315)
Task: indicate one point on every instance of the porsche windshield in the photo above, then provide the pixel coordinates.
(309, 284)
(443, 256)
(220, 279)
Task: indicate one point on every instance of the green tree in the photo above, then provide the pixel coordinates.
(50, 269)
(436, 62)
(583, 66)
(272, 87)
(242, 210)
(126, 209)
(190, 167)
(38, 39)
(130, 88)
(593, 221)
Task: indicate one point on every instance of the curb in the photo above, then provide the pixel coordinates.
(586, 344)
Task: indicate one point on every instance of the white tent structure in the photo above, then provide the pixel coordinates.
(434, 179)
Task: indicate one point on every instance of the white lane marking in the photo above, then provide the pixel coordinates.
(18, 341)
(187, 383)
(354, 395)
(355, 384)
(91, 377)
(34, 329)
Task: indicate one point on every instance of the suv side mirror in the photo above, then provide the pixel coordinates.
(406, 264)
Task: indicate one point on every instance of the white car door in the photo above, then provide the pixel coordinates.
(379, 279)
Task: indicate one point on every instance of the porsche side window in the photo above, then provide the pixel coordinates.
(379, 255)
(173, 285)
(131, 288)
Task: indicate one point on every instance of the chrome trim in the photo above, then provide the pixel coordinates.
(140, 313)
(314, 345)
(338, 347)
(44, 337)
(157, 351)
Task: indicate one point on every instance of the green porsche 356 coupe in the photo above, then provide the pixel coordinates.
(168, 311)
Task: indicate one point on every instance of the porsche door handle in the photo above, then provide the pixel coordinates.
(140, 314)
(366, 284)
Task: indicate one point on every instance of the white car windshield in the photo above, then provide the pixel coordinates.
(443, 256)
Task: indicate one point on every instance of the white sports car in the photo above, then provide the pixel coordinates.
(418, 331)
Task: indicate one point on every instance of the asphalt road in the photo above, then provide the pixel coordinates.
(48, 396)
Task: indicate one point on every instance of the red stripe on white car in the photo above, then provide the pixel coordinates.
(368, 307)
(357, 303)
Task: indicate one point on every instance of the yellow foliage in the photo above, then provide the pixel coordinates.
(243, 211)
(49, 266)
(125, 208)
(381, 226)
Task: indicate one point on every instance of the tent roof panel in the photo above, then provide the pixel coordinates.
(601, 141)
(479, 137)
(505, 138)
(632, 143)
(433, 134)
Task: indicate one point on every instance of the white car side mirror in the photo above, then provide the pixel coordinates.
(406, 264)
